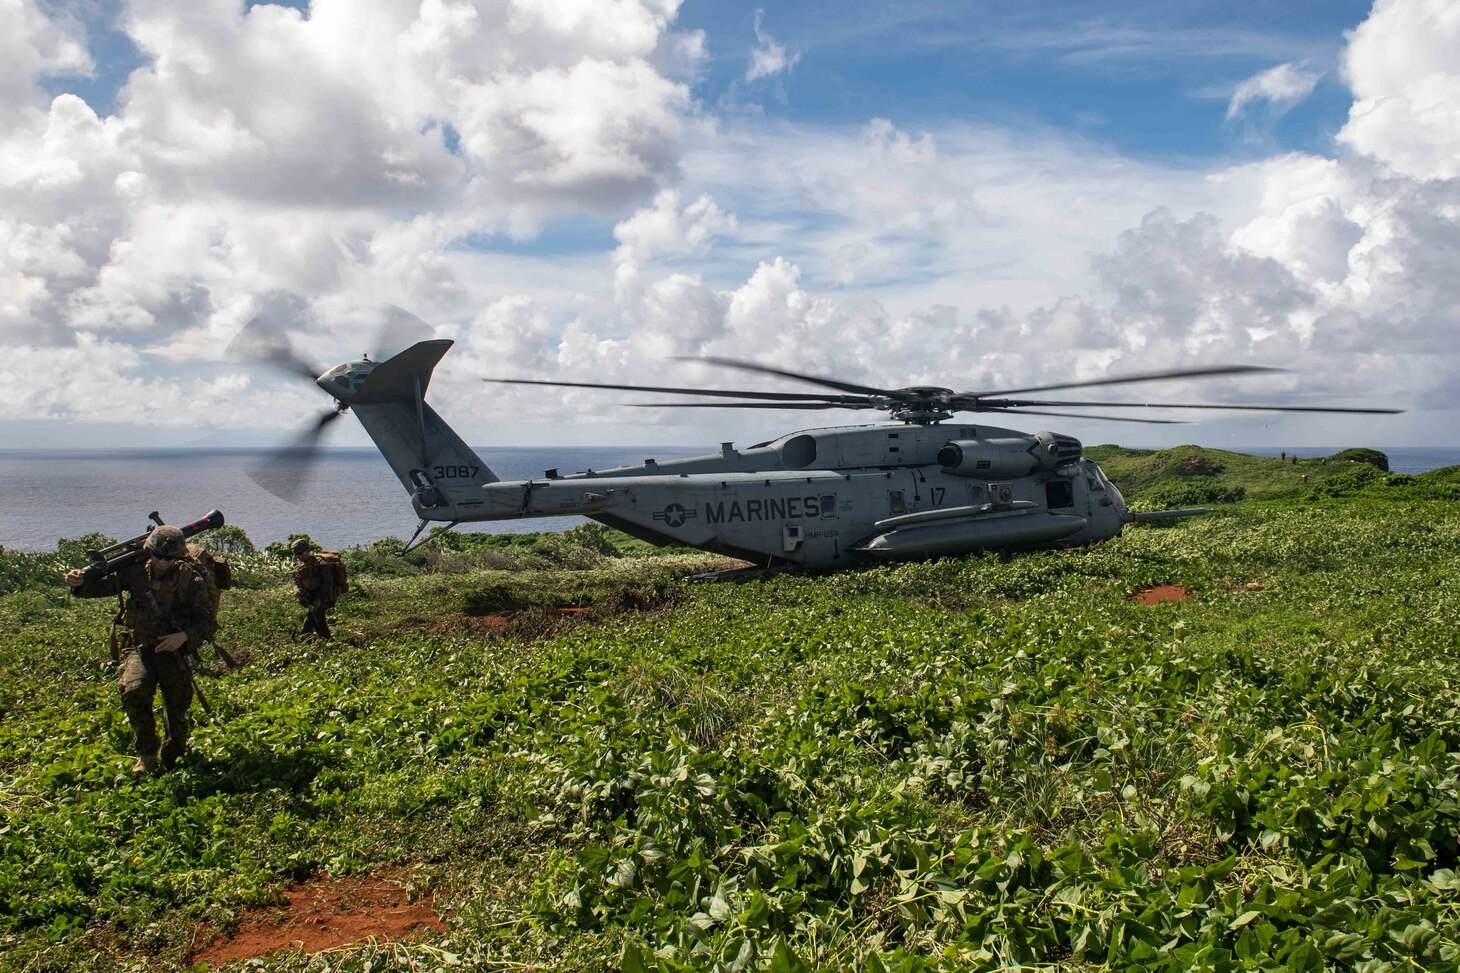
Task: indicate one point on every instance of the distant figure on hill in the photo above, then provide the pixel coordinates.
(1295, 460)
(1283, 456)
(319, 579)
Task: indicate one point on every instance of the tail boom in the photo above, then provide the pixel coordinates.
(443, 475)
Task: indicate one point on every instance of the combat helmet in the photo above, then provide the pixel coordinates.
(300, 546)
(166, 541)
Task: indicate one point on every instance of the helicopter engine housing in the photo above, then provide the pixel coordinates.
(1009, 458)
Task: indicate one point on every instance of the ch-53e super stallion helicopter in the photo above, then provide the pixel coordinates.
(925, 485)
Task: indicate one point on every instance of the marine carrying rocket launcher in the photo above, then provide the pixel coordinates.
(123, 553)
(934, 481)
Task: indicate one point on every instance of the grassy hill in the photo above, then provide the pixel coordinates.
(1196, 475)
(970, 764)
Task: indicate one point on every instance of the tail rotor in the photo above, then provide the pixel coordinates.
(265, 340)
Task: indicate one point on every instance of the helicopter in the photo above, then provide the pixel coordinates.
(931, 482)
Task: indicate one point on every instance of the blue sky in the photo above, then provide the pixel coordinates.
(1149, 79)
(923, 192)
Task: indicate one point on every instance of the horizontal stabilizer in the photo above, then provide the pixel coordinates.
(403, 378)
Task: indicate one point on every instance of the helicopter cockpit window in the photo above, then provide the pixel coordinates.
(1059, 493)
(896, 502)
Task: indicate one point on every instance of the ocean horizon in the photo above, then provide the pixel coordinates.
(351, 498)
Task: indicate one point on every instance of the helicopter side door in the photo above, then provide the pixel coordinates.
(1059, 495)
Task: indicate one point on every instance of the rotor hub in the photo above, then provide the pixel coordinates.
(919, 404)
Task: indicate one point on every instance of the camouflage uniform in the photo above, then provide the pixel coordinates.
(159, 604)
(314, 588)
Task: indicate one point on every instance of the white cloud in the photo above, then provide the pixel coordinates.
(767, 57)
(967, 216)
(1403, 64)
(511, 336)
(266, 150)
(1281, 87)
(35, 41)
(348, 155)
(1302, 218)
(664, 229)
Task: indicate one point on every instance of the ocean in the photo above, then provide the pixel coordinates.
(351, 498)
(1402, 459)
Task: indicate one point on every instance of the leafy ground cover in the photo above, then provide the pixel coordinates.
(1198, 475)
(983, 763)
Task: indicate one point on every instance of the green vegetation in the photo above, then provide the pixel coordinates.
(1195, 475)
(1372, 457)
(985, 763)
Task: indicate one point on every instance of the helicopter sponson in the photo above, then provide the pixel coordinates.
(927, 485)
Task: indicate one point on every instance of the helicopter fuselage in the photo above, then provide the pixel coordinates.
(825, 497)
(821, 498)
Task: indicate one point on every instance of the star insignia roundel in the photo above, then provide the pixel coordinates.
(674, 515)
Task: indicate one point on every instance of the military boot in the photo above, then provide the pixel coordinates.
(146, 764)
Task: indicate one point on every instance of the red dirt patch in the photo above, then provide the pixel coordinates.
(325, 913)
(1161, 593)
(474, 623)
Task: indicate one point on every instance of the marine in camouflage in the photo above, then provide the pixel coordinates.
(164, 594)
(314, 589)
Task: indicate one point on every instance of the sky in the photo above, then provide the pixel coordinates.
(971, 195)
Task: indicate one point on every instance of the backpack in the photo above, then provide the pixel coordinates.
(216, 572)
(218, 577)
(332, 574)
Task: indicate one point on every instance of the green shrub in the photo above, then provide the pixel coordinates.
(1359, 478)
(1187, 462)
(490, 596)
(228, 539)
(72, 550)
(21, 570)
(1370, 457)
(384, 559)
(1192, 493)
(591, 536)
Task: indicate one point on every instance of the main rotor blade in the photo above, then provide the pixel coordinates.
(745, 405)
(1207, 372)
(1020, 403)
(262, 341)
(1080, 415)
(726, 393)
(283, 472)
(831, 383)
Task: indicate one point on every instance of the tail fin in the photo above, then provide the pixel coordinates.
(441, 473)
